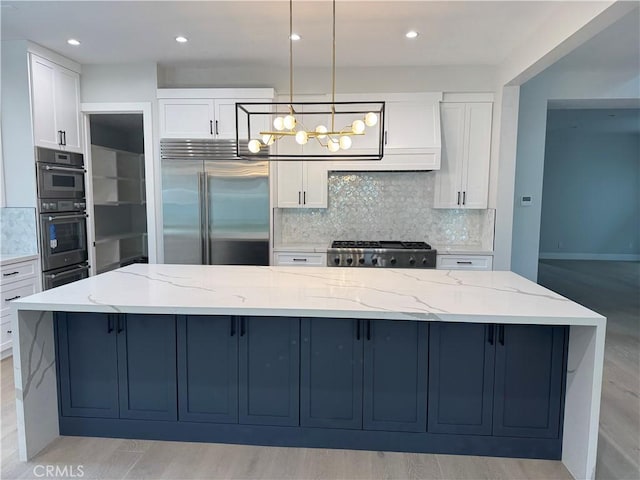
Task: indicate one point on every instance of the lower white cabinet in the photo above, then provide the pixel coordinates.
(464, 262)
(300, 259)
(17, 280)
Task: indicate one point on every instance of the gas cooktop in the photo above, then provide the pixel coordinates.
(395, 254)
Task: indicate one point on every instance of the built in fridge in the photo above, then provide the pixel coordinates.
(215, 205)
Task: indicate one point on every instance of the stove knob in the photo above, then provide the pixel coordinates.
(392, 261)
(336, 260)
(349, 261)
(361, 261)
(412, 261)
(425, 261)
(374, 261)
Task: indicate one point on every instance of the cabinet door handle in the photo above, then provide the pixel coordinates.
(304, 198)
(233, 326)
(458, 201)
(12, 298)
(64, 136)
(217, 127)
(386, 137)
(211, 127)
(109, 323)
(10, 274)
(368, 329)
(299, 201)
(243, 327)
(501, 334)
(464, 198)
(59, 137)
(120, 324)
(490, 333)
(357, 329)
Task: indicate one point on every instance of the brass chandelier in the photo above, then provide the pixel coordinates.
(362, 118)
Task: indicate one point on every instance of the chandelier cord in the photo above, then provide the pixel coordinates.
(291, 55)
(333, 72)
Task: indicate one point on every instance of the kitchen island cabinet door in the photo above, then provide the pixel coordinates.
(528, 383)
(461, 366)
(88, 365)
(395, 375)
(208, 369)
(147, 366)
(331, 373)
(269, 371)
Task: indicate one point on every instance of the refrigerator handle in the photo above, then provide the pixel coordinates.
(202, 202)
(207, 233)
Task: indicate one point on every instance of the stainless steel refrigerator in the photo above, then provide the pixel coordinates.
(215, 206)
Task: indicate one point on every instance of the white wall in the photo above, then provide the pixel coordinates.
(17, 146)
(563, 80)
(591, 189)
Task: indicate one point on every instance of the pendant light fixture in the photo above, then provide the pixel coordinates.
(279, 130)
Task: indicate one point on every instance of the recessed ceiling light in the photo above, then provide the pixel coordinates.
(295, 36)
(73, 41)
(181, 39)
(411, 34)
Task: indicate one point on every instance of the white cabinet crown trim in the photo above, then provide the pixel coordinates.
(244, 93)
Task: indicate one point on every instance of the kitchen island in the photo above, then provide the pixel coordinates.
(484, 363)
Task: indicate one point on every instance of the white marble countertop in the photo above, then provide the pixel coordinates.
(429, 295)
(7, 259)
(302, 247)
(462, 250)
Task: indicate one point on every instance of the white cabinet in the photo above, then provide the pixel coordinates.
(464, 262)
(411, 133)
(302, 184)
(17, 280)
(55, 99)
(300, 259)
(206, 113)
(463, 178)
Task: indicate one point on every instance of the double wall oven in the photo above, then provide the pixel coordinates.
(62, 214)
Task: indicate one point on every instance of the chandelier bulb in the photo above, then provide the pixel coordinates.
(278, 123)
(345, 142)
(289, 122)
(371, 119)
(302, 137)
(358, 127)
(254, 146)
(321, 130)
(333, 146)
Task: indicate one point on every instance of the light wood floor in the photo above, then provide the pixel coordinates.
(103, 458)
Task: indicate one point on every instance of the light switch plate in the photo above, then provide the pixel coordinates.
(526, 200)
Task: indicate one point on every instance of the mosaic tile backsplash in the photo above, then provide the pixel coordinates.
(18, 234)
(385, 206)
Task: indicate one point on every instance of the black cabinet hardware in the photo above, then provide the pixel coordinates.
(458, 201)
(243, 326)
(490, 333)
(233, 326)
(368, 329)
(299, 259)
(464, 198)
(12, 298)
(120, 323)
(211, 127)
(216, 127)
(59, 137)
(385, 137)
(299, 201)
(464, 262)
(501, 334)
(10, 274)
(304, 198)
(64, 137)
(109, 323)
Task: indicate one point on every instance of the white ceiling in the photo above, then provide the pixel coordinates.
(369, 33)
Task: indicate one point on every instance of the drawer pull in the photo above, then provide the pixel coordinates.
(465, 262)
(10, 274)
(12, 298)
(299, 259)
(9, 331)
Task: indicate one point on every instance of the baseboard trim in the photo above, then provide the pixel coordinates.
(623, 257)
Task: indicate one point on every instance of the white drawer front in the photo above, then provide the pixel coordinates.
(17, 271)
(16, 290)
(466, 262)
(6, 333)
(301, 259)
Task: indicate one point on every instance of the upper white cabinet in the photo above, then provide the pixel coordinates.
(411, 133)
(205, 112)
(463, 178)
(55, 101)
(302, 184)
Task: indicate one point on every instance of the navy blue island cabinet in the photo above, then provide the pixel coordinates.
(396, 385)
(493, 379)
(117, 366)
